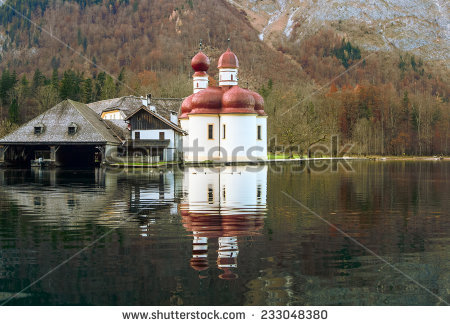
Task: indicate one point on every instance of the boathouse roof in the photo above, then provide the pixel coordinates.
(68, 122)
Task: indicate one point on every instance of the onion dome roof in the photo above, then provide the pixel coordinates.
(200, 62)
(259, 103)
(208, 100)
(186, 107)
(238, 100)
(228, 60)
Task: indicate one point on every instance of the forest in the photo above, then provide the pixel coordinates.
(384, 103)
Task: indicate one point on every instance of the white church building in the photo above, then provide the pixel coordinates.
(224, 123)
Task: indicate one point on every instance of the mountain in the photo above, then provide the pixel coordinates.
(373, 72)
(159, 36)
(418, 26)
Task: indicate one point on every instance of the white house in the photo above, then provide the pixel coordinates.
(155, 135)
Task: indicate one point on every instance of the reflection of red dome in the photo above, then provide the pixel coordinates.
(208, 100)
(200, 62)
(186, 107)
(199, 264)
(228, 60)
(238, 100)
(228, 274)
(214, 225)
(259, 103)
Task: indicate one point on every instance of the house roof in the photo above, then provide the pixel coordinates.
(130, 104)
(91, 129)
(158, 116)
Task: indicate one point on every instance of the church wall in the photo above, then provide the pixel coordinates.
(184, 124)
(240, 137)
(262, 121)
(198, 130)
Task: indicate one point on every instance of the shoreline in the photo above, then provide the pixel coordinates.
(285, 160)
(273, 161)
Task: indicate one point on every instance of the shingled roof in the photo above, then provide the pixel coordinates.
(90, 128)
(130, 104)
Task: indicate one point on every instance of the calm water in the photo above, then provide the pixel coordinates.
(227, 237)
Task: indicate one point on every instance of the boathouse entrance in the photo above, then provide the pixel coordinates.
(25, 155)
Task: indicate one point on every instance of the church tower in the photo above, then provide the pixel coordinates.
(228, 69)
(200, 64)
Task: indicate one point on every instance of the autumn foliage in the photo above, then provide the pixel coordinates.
(382, 102)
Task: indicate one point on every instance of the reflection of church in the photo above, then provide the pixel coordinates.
(223, 204)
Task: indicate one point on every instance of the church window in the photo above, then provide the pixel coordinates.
(259, 133)
(211, 131)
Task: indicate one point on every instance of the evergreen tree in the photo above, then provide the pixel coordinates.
(14, 111)
(108, 89)
(7, 82)
(70, 86)
(86, 91)
(55, 78)
(38, 80)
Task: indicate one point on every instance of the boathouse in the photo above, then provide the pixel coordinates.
(69, 134)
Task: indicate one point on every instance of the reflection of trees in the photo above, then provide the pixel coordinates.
(394, 208)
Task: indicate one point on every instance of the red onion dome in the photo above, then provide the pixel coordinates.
(259, 103)
(200, 62)
(228, 60)
(208, 100)
(186, 107)
(238, 100)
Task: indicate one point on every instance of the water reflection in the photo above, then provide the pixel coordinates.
(222, 204)
(179, 237)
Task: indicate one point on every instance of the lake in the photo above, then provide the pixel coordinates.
(292, 234)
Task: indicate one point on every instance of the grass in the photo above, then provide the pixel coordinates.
(272, 156)
(143, 164)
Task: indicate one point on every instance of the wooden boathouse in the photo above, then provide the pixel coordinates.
(69, 134)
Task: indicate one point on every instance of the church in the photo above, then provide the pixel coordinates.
(224, 123)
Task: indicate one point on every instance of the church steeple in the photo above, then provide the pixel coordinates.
(228, 69)
(200, 63)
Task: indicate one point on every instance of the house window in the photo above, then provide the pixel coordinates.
(137, 135)
(210, 131)
(259, 134)
(224, 132)
(38, 130)
(231, 76)
(161, 135)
